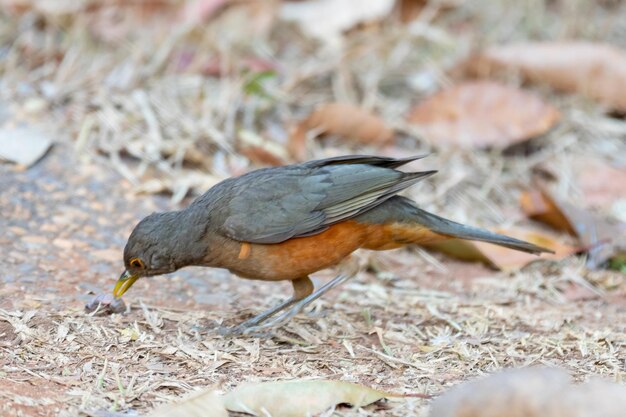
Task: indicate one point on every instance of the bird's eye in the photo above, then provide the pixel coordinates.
(137, 263)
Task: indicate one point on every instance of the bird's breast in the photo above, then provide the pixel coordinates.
(297, 257)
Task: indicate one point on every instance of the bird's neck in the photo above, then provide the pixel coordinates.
(186, 239)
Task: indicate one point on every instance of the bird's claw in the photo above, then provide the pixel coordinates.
(258, 325)
(253, 331)
(261, 328)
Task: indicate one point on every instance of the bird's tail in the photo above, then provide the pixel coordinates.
(452, 229)
(406, 223)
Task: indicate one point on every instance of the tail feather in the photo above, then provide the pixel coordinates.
(457, 230)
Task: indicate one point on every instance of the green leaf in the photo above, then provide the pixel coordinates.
(618, 263)
(254, 85)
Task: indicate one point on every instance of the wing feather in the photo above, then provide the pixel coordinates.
(273, 205)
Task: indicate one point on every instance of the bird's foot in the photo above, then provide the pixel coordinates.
(267, 321)
(260, 324)
(252, 331)
(259, 328)
(253, 324)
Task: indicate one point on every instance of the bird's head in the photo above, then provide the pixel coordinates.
(150, 250)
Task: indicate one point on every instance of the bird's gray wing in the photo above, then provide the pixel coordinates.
(273, 205)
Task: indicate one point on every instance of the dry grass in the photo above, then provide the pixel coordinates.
(139, 100)
(394, 334)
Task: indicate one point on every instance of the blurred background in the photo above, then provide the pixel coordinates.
(521, 104)
(110, 110)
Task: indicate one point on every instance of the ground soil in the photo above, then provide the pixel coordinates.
(411, 327)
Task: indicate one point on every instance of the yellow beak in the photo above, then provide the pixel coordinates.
(125, 281)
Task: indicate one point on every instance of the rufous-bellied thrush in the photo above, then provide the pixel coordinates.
(287, 222)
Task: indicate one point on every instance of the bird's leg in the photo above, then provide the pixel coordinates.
(349, 270)
(283, 318)
(302, 287)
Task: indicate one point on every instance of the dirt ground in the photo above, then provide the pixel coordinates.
(411, 321)
(416, 326)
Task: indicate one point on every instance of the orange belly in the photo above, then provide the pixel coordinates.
(300, 257)
(396, 235)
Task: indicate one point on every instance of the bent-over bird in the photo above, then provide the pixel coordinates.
(288, 222)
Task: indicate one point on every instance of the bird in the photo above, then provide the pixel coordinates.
(287, 222)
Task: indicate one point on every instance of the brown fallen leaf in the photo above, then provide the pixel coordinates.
(326, 20)
(602, 238)
(576, 292)
(482, 114)
(112, 21)
(299, 398)
(253, 19)
(200, 11)
(409, 10)
(539, 206)
(260, 150)
(45, 8)
(341, 119)
(532, 392)
(503, 258)
(594, 70)
(601, 183)
(199, 404)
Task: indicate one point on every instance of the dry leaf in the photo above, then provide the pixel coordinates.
(299, 398)
(532, 392)
(23, 145)
(408, 10)
(345, 120)
(47, 8)
(253, 19)
(326, 20)
(113, 21)
(575, 292)
(202, 404)
(601, 237)
(199, 11)
(539, 206)
(595, 70)
(261, 151)
(601, 184)
(482, 114)
(503, 258)
(186, 181)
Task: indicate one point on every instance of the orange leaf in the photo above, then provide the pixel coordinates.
(260, 150)
(483, 114)
(345, 120)
(539, 206)
(599, 236)
(595, 70)
(409, 10)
